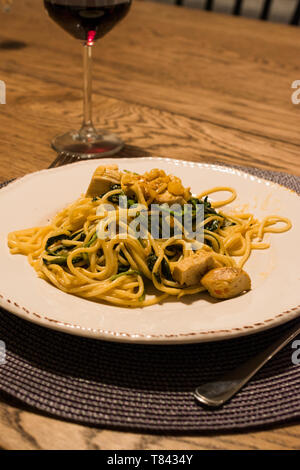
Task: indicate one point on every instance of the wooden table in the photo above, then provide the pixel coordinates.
(172, 82)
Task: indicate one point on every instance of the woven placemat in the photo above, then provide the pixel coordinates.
(147, 387)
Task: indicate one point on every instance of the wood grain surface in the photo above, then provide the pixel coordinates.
(172, 82)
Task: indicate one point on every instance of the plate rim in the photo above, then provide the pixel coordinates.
(125, 337)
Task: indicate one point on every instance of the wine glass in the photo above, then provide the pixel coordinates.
(87, 20)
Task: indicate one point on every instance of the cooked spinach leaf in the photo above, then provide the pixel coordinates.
(151, 260)
(122, 268)
(56, 238)
(126, 273)
(165, 268)
(62, 260)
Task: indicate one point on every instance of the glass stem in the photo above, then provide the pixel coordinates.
(87, 130)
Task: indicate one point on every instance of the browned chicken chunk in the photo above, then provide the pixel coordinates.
(226, 282)
(168, 198)
(103, 179)
(190, 270)
(158, 187)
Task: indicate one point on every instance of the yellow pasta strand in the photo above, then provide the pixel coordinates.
(84, 265)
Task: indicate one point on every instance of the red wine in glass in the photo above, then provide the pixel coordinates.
(87, 20)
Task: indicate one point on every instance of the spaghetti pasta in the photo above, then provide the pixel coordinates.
(75, 254)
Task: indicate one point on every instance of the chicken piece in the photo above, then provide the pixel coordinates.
(158, 187)
(103, 179)
(168, 198)
(226, 282)
(174, 194)
(191, 269)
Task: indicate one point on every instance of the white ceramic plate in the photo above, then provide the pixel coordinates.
(274, 299)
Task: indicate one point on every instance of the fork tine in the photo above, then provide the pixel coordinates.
(63, 158)
(56, 160)
(68, 158)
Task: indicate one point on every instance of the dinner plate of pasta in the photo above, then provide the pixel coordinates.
(150, 250)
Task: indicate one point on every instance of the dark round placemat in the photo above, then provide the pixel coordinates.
(147, 387)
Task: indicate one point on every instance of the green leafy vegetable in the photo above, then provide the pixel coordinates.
(151, 260)
(122, 268)
(126, 273)
(115, 198)
(79, 236)
(165, 268)
(91, 241)
(62, 260)
(55, 239)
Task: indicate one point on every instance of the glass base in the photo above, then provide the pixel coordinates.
(101, 145)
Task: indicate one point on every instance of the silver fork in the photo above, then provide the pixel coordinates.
(218, 392)
(64, 158)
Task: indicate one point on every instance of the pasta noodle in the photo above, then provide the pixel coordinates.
(119, 270)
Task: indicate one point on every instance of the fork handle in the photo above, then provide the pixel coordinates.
(218, 392)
